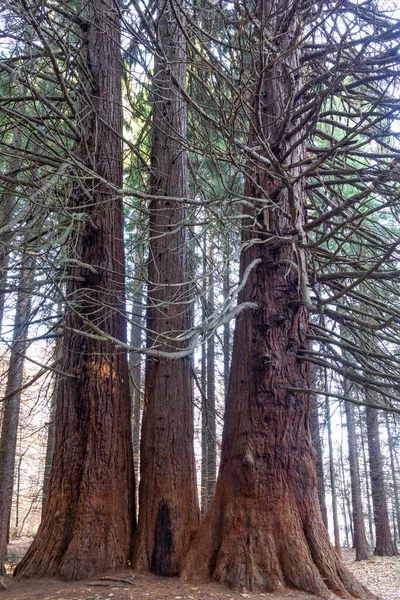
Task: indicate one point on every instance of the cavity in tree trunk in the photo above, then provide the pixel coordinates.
(168, 508)
(9, 426)
(360, 540)
(264, 527)
(89, 515)
(384, 545)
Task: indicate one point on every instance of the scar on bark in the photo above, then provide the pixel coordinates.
(163, 543)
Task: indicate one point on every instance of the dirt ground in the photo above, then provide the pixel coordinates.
(381, 575)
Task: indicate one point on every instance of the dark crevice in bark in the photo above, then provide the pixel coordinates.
(163, 549)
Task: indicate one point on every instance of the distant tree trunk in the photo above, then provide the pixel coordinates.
(51, 437)
(332, 475)
(17, 489)
(227, 332)
(204, 412)
(89, 514)
(211, 417)
(395, 474)
(168, 507)
(366, 481)
(5, 217)
(316, 440)
(384, 545)
(135, 361)
(360, 540)
(7, 203)
(346, 508)
(51, 430)
(9, 429)
(264, 527)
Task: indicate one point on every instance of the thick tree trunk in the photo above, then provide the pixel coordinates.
(264, 527)
(86, 527)
(360, 540)
(168, 507)
(9, 428)
(316, 440)
(384, 545)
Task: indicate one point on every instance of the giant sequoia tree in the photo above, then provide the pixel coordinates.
(264, 528)
(88, 517)
(168, 506)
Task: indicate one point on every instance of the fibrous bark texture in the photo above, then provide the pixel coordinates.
(384, 545)
(87, 522)
(168, 507)
(264, 529)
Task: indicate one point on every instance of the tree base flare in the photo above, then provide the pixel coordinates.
(248, 548)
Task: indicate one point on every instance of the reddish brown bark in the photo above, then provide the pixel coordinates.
(87, 521)
(168, 508)
(264, 527)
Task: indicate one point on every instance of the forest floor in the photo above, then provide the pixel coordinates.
(380, 574)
